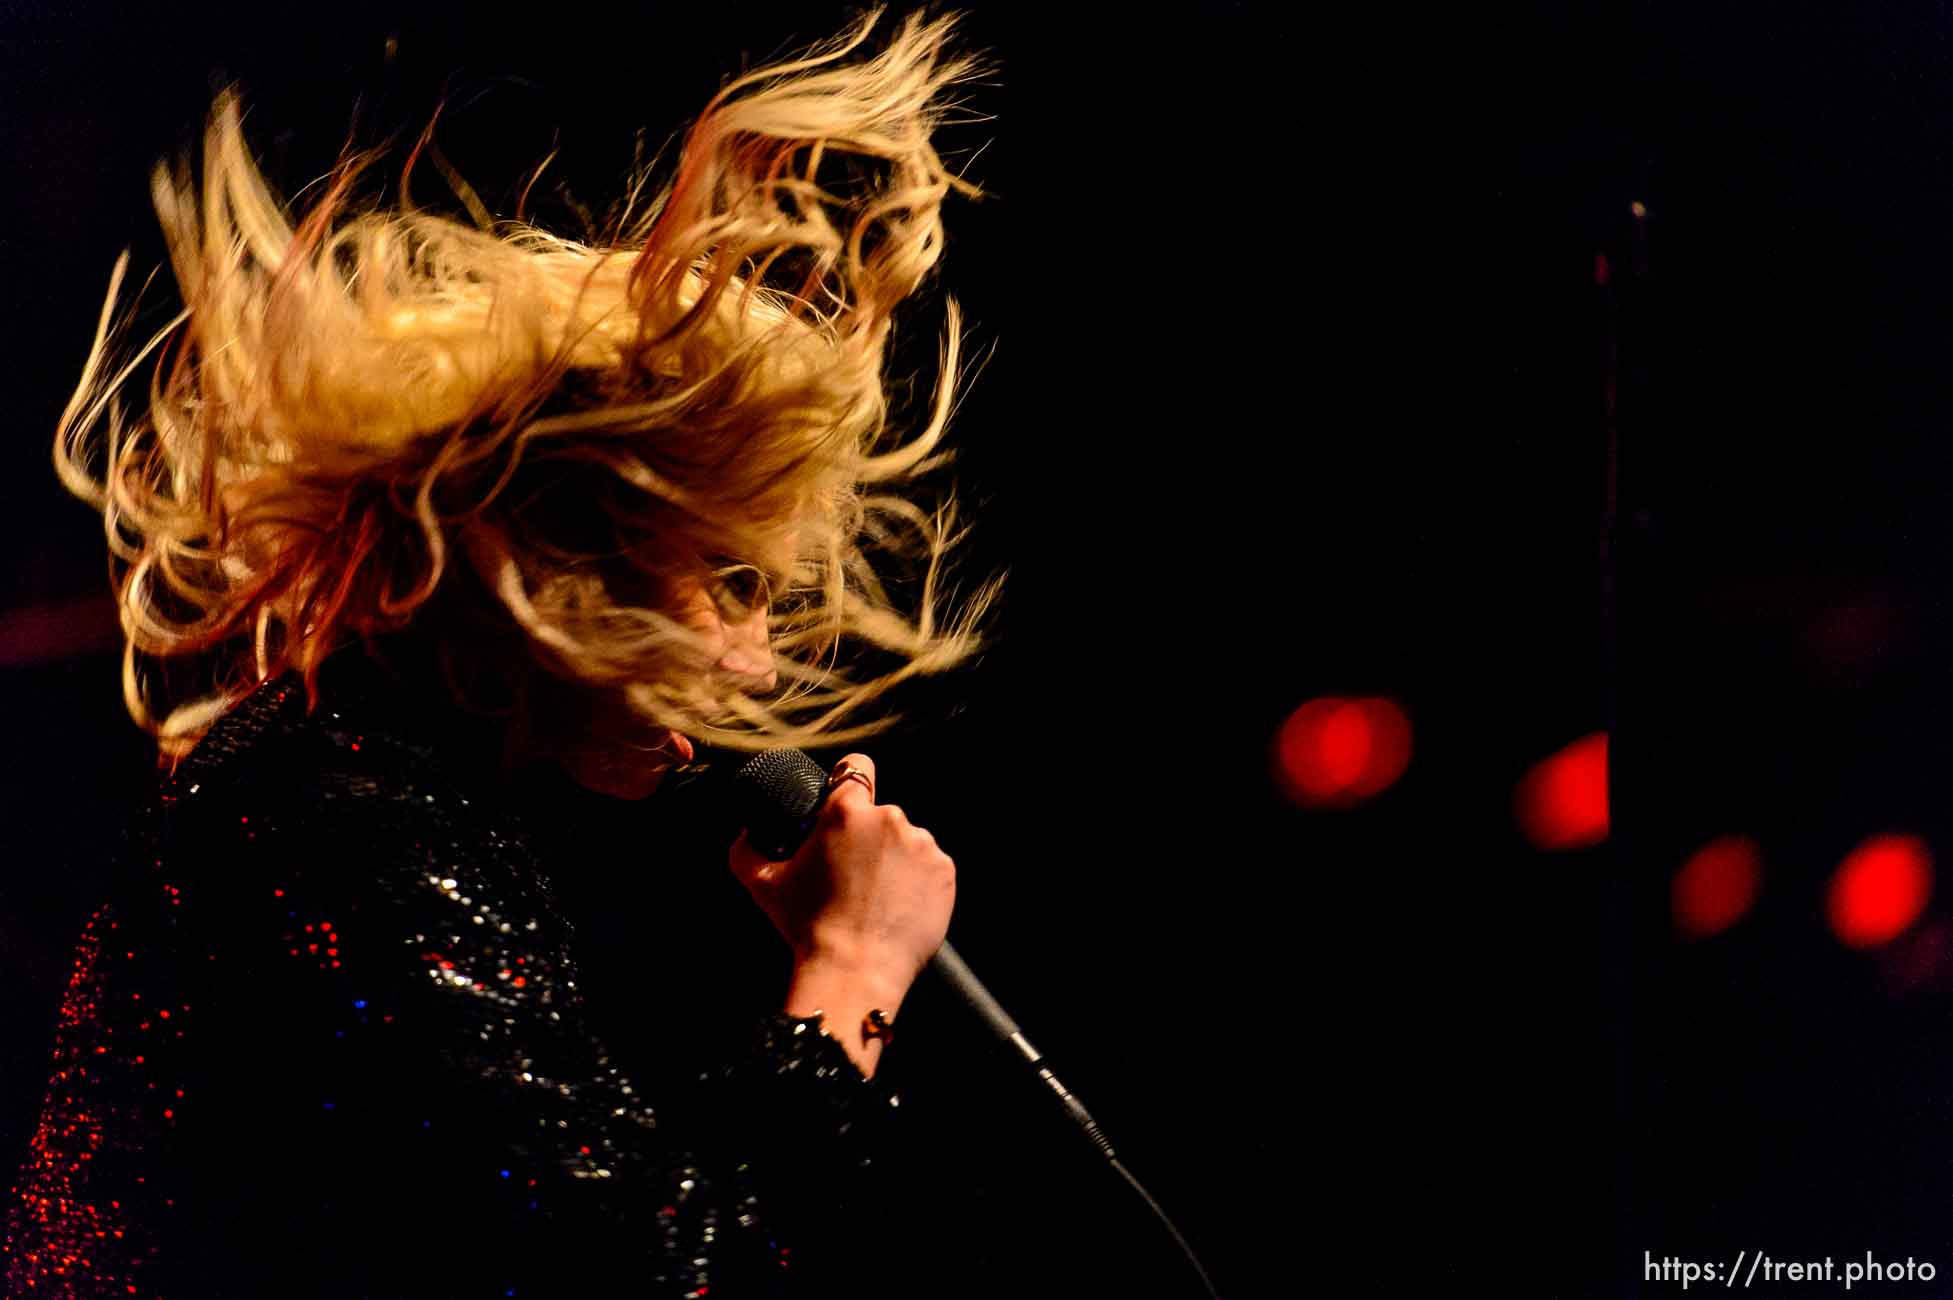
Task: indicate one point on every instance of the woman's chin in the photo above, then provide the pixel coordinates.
(620, 783)
(629, 773)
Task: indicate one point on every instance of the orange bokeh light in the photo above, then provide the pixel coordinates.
(1562, 802)
(1879, 890)
(1340, 751)
(1717, 886)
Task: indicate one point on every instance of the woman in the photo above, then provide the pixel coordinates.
(577, 505)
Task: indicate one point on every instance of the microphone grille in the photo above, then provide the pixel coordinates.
(777, 795)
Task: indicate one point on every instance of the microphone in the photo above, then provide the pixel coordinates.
(777, 796)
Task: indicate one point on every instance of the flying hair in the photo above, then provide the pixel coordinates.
(526, 448)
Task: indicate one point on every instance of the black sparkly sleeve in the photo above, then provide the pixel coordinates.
(425, 1101)
(809, 1137)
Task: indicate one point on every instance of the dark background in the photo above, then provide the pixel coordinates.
(1299, 388)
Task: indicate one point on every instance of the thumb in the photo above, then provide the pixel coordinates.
(751, 866)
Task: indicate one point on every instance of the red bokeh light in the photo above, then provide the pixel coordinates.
(1717, 885)
(1562, 802)
(1341, 751)
(1879, 890)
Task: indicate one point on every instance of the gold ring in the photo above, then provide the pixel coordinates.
(851, 774)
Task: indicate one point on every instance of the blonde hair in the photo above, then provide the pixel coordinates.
(372, 413)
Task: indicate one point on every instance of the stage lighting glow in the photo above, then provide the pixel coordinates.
(1562, 802)
(1717, 886)
(1335, 751)
(1879, 890)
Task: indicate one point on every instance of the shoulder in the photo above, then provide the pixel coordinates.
(257, 724)
(274, 735)
(286, 815)
(337, 894)
(365, 755)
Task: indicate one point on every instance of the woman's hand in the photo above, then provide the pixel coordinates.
(864, 905)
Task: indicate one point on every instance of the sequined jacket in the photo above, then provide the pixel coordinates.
(325, 1038)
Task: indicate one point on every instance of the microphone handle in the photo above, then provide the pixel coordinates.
(955, 972)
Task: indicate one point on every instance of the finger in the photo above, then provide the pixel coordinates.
(748, 863)
(853, 778)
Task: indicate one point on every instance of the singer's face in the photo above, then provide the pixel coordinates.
(730, 609)
(623, 756)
